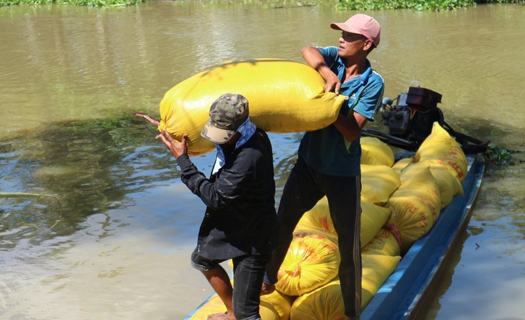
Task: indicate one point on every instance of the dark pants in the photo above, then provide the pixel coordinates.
(304, 188)
(248, 273)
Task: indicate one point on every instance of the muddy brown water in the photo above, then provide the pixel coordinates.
(115, 241)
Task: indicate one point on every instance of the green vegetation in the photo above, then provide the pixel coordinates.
(498, 155)
(90, 3)
(420, 5)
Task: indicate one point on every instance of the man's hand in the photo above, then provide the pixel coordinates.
(176, 148)
(267, 288)
(332, 83)
(313, 57)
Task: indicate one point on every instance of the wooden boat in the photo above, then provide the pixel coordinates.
(405, 291)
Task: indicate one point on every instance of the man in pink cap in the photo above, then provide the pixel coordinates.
(328, 162)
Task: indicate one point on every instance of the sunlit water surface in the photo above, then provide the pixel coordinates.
(114, 242)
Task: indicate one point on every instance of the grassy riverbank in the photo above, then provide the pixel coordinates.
(89, 3)
(420, 5)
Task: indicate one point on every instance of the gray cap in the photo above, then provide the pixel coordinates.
(227, 114)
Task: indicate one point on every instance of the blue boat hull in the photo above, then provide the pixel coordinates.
(402, 295)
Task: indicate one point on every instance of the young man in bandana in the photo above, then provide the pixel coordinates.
(328, 162)
(240, 222)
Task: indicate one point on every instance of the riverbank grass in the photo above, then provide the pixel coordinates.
(89, 3)
(420, 5)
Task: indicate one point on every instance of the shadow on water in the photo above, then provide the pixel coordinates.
(91, 166)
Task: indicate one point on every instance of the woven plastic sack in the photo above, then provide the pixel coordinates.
(275, 306)
(372, 220)
(416, 206)
(378, 183)
(442, 148)
(312, 260)
(376, 269)
(318, 217)
(213, 305)
(448, 184)
(401, 164)
(375, 151)
(373, 217)
(326, 303)
(284, 96)
(384, 243)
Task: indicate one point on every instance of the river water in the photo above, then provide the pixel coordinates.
(114, 242)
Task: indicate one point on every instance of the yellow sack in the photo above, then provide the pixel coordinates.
(448, 184)
(275, 306)
(416, 206)
(384, 243)
(402, 164)
(212, 306)
(284, 96)
(326, 303)
(439, 146)
(378, 183)
(373, 217)
(318, 217)
(376, 269)
(312, 260)
(375, 151)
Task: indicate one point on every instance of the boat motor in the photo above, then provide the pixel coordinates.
(410, 118)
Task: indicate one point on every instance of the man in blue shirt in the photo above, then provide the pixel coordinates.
(328, 162)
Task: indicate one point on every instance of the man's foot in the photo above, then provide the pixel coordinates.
(267, 288)
(221, 316)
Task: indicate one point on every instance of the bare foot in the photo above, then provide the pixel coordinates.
(221, 316)
(267, 288)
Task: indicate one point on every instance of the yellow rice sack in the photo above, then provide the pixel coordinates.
(312, 260)
(401, 164)
(448, 184)
(275, 306)
(442, 148)
(318, 217)
(416, 206)
(384, 243)
(212, 306)
(376, 269)
(378, 183)
(373, 217)
(326, 303)
(375, 151)
(284, 96)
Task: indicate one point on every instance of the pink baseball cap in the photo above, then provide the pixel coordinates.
(361, 24)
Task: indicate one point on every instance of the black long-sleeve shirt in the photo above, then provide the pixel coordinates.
(240, 216)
